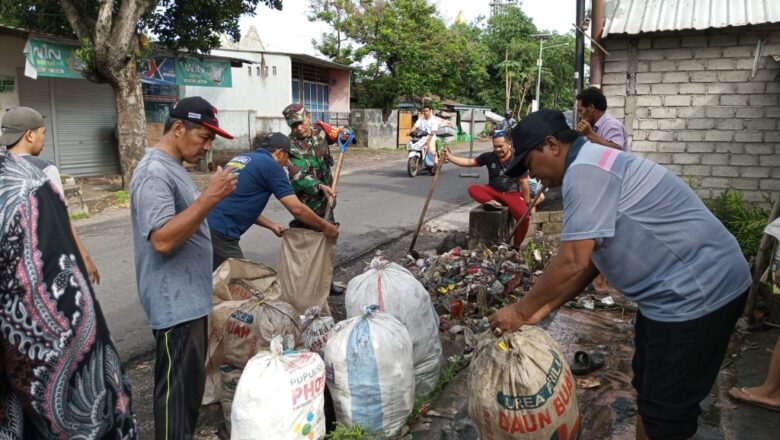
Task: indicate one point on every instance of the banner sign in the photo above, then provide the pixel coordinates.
(160, 71)
(204, 73)
(7, 83)
(53, 59)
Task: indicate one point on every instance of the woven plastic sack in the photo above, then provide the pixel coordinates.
(520, 387)
(368, 360)
(398, 293)
(280, 396)
(315, 329)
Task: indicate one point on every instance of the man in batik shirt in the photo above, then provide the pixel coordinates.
(60, 374)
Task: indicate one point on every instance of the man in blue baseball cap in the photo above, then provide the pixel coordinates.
(686, 271)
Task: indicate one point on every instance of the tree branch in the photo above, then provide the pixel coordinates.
(76, 20)
(103, 24)
(124, 26)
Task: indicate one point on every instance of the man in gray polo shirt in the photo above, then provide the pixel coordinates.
(687, 272)
(173, 260)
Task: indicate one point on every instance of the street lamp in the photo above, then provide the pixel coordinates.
(541, 37)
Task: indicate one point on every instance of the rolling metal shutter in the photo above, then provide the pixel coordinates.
(80, 123)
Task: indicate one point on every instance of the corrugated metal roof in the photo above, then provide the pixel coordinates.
(640, 16)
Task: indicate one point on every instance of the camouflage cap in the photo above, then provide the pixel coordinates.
(295, 113)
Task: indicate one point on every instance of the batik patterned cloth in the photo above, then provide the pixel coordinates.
(60, 374)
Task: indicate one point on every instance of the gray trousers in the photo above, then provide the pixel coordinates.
(224, 247)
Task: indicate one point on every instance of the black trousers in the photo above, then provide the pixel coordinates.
(179, 378)
(224, 247)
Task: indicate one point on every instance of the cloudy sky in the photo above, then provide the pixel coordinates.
(290, 31)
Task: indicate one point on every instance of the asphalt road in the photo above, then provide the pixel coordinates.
(375, 206)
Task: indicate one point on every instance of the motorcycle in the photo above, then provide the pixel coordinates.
(419, 156)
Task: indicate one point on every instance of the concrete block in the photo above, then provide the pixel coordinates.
(703, 193)
(692, 89)
(754, 197)
(690, 136)
(677, 100)
(747, 64)
(610, 91)
(649, 101)
(723, 40)
(676, 169)
(613, 78)
(661, 136)
(691, 112)
(552, 228)
(489, 227)
(643, 66)
(639, 135)
(744, 184)
(691, 65)
(706, 77)
(748, 39)
(748, 136)
(724, 171)
(663, 113)
(719, 136)
(696, 41)
(644, 43)
(644, 146)
(708, 52)
(700, 124)
(671, 124)
(730, 124)
(666, 42)
(697, 170)
(761, 124)
(751, 87)
(700, 147)
(772, 87)
(743, 160)
(616, 43)
(758, 100)
(772, 112)
(617, 101)
(733, 100)
(756, 172)
(651, 55)
(617, 55)
(663, 66)
(617, 112)
(738, 51)
(664, 89)
(644, 78)
(770, 185)
(685, 158)
(642, 89)
(721, 64)
(660, 158)
(648, 124)
(733, 76)
(765, 75)
(704, 100)
(729, 147)
(769, 161)
(679, 54)
(750, 112)
(670, 147)
(720, 112)
(721, 88)
(676, 77)
(759, 149)
(615, 66)
(715, 159)
(772, 136)
(715, 182)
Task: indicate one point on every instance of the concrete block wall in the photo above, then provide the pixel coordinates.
(372, 130)
(689, 103)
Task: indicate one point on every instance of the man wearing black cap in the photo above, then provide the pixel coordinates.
(260, 174)
(687, 275)
(173, 259)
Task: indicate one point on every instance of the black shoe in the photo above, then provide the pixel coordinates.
(336, 290)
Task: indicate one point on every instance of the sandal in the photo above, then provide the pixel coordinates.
(585, 362)
(492, 206)
(741, 395)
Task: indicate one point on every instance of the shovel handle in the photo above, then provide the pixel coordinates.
(528, 211)
(329, 208)
(436, 172)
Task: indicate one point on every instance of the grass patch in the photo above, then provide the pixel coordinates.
(122, 197)
(356, 432)
(448, 373)
(78, 215)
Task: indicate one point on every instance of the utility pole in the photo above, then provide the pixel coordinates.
(541, 37)
(579, 54)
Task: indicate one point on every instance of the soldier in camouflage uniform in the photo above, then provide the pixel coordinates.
(310, 172)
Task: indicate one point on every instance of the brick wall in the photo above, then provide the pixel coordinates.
(688, 103)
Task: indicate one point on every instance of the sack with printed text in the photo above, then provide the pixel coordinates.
(520, 387)
(315, 329)
(368, 360)
(398, 293)
(280, 396)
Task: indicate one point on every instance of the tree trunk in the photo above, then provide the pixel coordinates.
(130, 119)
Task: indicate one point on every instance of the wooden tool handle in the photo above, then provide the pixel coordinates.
(436, 172)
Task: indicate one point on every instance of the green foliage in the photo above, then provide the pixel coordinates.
(122, 197)
(745, 221)
(356, 432)
(447, 375)
(78, 215)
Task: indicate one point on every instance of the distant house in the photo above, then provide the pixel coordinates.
(697, 84)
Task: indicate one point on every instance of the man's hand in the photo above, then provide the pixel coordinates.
(584, 128)
(221, 184)
(332, 231)
(507, 318)
(445, 154)
(328, 191)
(92, 270)
(277, 229)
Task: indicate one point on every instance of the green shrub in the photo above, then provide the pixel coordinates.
(746, 221)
